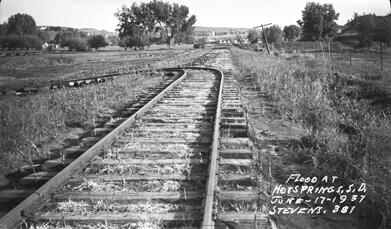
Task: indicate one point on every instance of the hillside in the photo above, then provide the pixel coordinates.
(91, 31)
(98, 32)
(219, 29)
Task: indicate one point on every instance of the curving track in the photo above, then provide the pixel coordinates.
(183, 160)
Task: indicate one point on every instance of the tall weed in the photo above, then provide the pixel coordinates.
(29, 122)
(347, 136)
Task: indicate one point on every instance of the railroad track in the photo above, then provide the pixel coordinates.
(60, 84)
(31, 177)
(242, 191)
(181, 161)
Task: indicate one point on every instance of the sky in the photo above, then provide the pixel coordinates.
(99, 14)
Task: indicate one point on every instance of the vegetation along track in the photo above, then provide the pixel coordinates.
(181, 161)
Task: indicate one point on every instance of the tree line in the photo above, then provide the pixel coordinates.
(318, 23)
(155, 22)
(20, 31)
(274, 34)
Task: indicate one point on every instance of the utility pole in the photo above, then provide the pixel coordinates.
(240, 39)
(264, 35)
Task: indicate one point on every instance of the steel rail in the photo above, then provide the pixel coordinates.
(207, 222)
(13, 218)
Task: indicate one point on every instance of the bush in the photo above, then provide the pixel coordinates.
(97, 42)
(253, 36)
(199, 45)
(20, 41)
(139, 41)
(274, 34)
(78, 44)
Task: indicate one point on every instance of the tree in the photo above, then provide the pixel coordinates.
(97, 41)
(186, 32)
(15, 41)
(366, 27)
(274, 34)
(134, 42)
(371, 28)
(113, 40)
(253, 36)
(156, 17)
(3, 29)
(21, 24)
(383, 30)
(292, 32)
(63, 36)
(75, 43)
(318, 21)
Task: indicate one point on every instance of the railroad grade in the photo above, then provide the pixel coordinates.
(241, 196)
(154, 173)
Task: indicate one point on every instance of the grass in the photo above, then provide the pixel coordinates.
(348, 131)
(124, 169)
(96, 185)
(239, 206)
(90, 207)
(30, 122)
(154, 224)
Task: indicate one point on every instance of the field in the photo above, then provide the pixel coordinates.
(325, 118)
(39, 70)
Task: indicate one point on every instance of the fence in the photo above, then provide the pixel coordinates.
(379, 55)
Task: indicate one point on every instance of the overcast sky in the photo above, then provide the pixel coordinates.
(99, 14)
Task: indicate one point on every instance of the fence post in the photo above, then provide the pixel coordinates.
(381, 56)
(350, 55)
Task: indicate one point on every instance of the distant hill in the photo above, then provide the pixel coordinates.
(97, 32)
(88, 31)
(204, 32)
(219, 29)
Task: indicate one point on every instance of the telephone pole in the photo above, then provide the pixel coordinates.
(264, 35)
(240, 39)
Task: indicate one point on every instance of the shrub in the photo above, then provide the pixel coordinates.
(253, 36)
(78, 44)
(139, 41)
(199, 45)
(274, 34)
